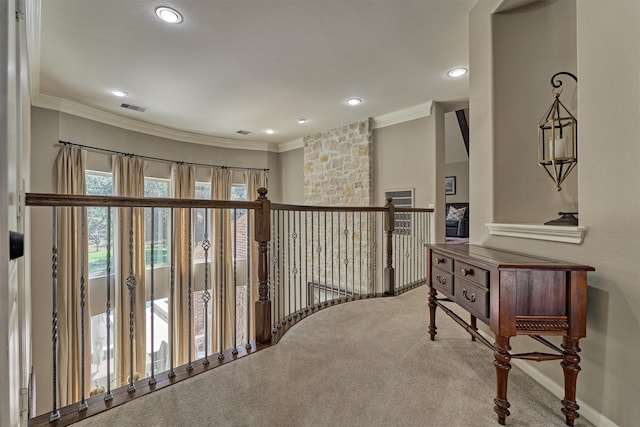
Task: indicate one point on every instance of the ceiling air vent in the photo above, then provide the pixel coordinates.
(134, 107)
(243, 132)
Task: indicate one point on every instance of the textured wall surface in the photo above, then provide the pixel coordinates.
(337, 166)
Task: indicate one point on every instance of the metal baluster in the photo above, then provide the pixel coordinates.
(189, 289)
(172, 290)
(131, 284)
(375, 251)
(300, 258)
(108, 396)
(289, 265)
(206, 295)
(360, 257)
(55, 413)
(326, 285)
(152, 379)
(353, 255)
(235, 281)
(407, 245)
(221, 277)
(83, 401)
(306, 256)
(319, 266)
(248, 282)
(339, 238)
(346, 257)
(368, 247)
(333, 292)
(427, 225)
(412, 246)
(280, 267)
(418, 250)
(400, 237)
(294, 236)
(274, 261)
(401, 255)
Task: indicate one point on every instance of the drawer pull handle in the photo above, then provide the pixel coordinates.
(467, 271)
(471, 298)
(438, 260)
(442, 280)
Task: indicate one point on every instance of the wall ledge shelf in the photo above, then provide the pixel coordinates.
(553, 233)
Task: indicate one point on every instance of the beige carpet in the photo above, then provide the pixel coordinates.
(366, 363)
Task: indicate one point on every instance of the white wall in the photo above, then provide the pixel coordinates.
(461, 171)
(411, 155)
(292, 176)
(529, 46)
(607, 177)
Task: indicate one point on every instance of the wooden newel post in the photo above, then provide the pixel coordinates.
(263, 236)
(389, 277)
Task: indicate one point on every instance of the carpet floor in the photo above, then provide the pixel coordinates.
(365, 363)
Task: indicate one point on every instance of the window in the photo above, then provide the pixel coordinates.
(239, 223)
(155, 187)
(238, 219)
(98, 184)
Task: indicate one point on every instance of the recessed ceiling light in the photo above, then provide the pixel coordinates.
(457, 72)
(169, 15)
(354, 101)
(301, 121)
(118, 92)
(270, 131)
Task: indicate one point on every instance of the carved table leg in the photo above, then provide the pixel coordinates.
(571, 366)
(432, 313)
(501, 362)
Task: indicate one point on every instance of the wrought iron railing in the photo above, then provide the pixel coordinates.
(299, 259)
(320, 256)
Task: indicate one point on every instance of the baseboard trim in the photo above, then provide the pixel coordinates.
(586, 411)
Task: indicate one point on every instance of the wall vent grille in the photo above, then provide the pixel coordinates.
(134, 107)
(401, 199)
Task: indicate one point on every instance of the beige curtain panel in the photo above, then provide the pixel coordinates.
(72, 250)
(183, 179)
(254, 180)
(222, 262)
(128, 180)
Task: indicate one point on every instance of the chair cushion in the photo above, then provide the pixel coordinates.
(455, 214)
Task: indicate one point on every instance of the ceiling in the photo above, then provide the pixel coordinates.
(251, 64)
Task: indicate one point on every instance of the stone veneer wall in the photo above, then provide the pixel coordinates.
(338, 172)
(337, 166)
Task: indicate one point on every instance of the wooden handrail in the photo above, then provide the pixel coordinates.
(51, 199)
(308, 208)
(46, 199)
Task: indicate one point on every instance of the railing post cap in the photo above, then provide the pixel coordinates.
(262, 192)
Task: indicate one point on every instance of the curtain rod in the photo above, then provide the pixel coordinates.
(158, 159)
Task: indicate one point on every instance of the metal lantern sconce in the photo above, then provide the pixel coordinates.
(557, 137)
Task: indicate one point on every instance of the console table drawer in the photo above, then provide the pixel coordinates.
(473, 298)
(472, 273)
(442, 281)
(442, 262)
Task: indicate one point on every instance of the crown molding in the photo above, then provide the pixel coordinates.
(290, 145)
(384, 120)
(76, 109)
(401, 116)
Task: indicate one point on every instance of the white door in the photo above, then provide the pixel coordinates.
(14, 143)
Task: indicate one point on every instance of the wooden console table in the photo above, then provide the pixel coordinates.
(515, 294)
